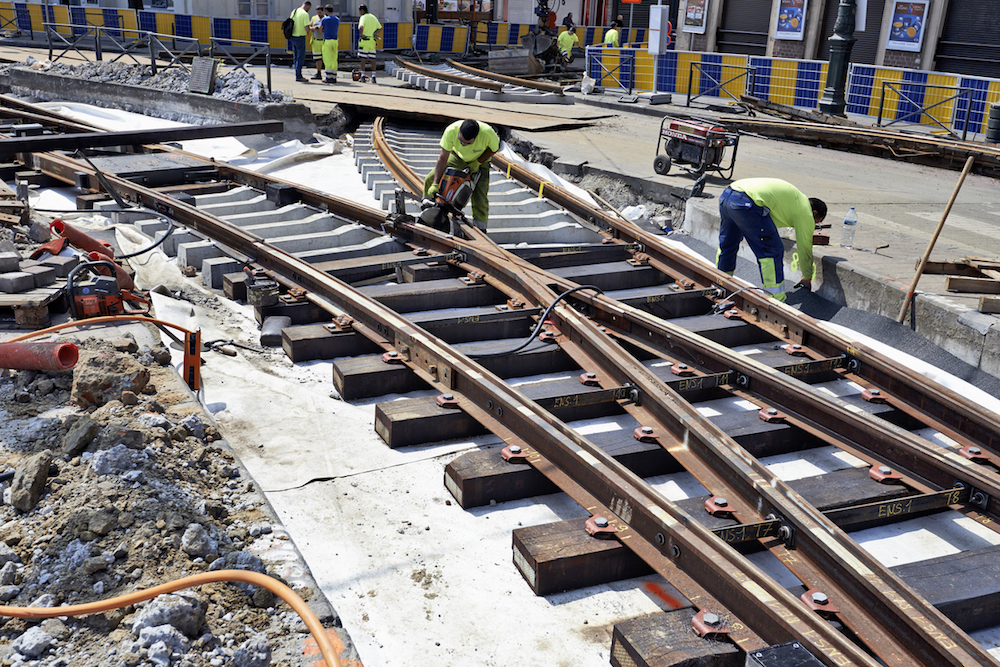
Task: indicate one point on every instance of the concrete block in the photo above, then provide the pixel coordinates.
(9, 261)
(16, 281)
(990, 361)
(62, 265)
(170, 245)
(150, 226)
(193, 254)
(43, 275)
(214, 270)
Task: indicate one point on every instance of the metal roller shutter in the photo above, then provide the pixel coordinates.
(970, 41)
(866, 48)
(640, 17)
(744, 28)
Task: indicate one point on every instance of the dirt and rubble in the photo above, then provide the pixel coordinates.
(114, 481)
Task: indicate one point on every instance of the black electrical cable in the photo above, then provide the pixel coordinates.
(169, 221)
(541, 323)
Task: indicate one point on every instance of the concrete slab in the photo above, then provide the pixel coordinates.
(13, 282)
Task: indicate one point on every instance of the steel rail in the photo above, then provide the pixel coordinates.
(924, 395)
(668, 531)
(512, 80)
(238, 239)
(868, 593)
(864, 599)
(860, 579)
(494, 86)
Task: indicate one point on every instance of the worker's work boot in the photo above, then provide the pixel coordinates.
(480, 225)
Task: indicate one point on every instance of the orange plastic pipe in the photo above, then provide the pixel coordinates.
(262, 580)
(80, 239)
(124, 279)
(38, 356)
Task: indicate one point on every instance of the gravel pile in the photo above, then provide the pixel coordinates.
(236, 85)
(114, 482)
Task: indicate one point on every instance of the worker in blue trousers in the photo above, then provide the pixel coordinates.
(754, 209)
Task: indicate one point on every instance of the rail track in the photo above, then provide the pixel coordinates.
(653, 333)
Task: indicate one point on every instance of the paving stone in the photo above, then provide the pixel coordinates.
(62, 265)
(16, 281)
(43, 275)
(9, 261)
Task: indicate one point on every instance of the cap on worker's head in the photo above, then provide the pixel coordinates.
(469, 129)
(363, 9)
(819, 206)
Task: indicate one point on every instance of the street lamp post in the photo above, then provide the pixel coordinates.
(841, 43)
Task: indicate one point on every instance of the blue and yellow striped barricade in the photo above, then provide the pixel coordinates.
(975, 112)
(441, 38)
(793, 82)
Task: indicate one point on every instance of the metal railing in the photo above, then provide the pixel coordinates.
(624, 58)
(236, 59)
(922, 110)
(128, 43)
(748, 73)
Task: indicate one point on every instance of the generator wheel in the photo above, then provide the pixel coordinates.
(661, 165)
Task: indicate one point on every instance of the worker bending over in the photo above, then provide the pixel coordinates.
(467, 143)
(753, 209)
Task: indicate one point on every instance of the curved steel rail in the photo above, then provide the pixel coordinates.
(671, 538)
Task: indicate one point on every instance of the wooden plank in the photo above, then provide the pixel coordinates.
(562, 556)
(433, 295)
(666, 640)
(475, 478)
(972, 285)
(234, 285)
(470, 324)
(369, 376)
(964, 586)
(418, 421)
(612, 275)
(950, 268)
(424, 105)
(989, 304)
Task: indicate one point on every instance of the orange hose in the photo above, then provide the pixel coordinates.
(95, 320)
(262, 580)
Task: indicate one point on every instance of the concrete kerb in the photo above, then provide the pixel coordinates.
(166, 104)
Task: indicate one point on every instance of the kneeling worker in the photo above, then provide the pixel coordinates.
(467, 143)
(753, 209)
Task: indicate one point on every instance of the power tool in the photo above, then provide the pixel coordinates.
(97, 295)
(444, 211)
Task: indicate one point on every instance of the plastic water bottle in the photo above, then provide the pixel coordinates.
(850, 226)
(255, 93)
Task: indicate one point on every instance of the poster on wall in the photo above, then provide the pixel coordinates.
(906, 33)
(791, 20)
(695, 16)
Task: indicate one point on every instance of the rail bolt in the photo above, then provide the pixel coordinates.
(515, 449)
(721, 502)
(600, 522)
(589, 379)
(885, 470)
(711, 619)
(820, 598)
(717, 505)
(513, 454)
(975, 451)
(770, 415)
(446, 401)
(644, 434)
(884, 474)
